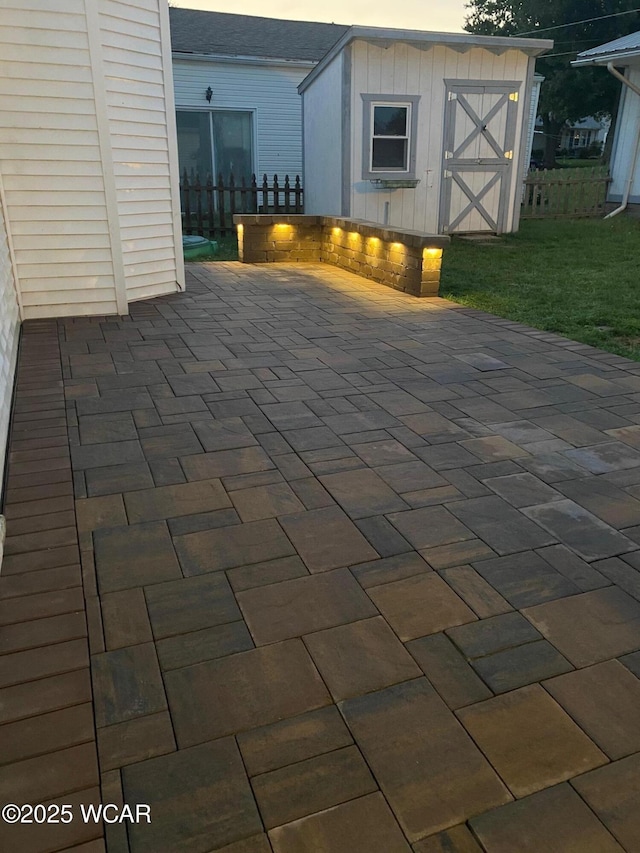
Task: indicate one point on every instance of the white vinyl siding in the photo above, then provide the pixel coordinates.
(136, 110)
(85, 146)
(45, 64)
(323, 142)
(403, 70)
(9, 327)
(269, 91)
(626, 135)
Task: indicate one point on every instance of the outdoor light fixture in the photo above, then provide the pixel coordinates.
(209, 93)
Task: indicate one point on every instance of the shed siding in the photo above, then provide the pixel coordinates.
(625, 140)
(269, 91)
(9, 327)
(323, 141)
(403, 69)
(80, 124)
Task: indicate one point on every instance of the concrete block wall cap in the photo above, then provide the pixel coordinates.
(394, 235)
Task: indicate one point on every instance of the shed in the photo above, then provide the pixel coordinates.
(622, 58)
(419, 130)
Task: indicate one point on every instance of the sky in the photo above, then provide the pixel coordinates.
(435, 15)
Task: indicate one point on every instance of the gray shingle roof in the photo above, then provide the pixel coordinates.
(197, 31)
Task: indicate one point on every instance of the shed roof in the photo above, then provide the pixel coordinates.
(626, 47)
(225, 34)
(424, 38)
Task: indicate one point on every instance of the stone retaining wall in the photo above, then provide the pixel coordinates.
(405, 260)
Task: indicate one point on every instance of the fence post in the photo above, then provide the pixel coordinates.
(265, 194)
(211, 208)
(287, 195)
(243, 195)
(253, 198)
(186, 202)
(221, 212)
(232, 196)
(298, 195)
(276, 195)
(198, 191)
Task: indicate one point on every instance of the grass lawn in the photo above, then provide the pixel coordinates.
(576, 163)
(580, 278)
(227, 249)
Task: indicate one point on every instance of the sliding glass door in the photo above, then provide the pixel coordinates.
(216, 142)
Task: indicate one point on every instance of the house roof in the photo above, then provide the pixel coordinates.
(224, 34)
(626, 47)
(588, 123)
(423, 38)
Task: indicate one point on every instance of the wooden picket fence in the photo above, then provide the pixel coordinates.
(560, 193)
(208, 207)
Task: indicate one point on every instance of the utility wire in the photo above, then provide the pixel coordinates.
(566, 53)
(574, 23)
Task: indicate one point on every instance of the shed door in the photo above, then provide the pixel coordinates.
(479, 133)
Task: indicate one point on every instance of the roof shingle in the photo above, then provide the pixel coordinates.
(197, 31)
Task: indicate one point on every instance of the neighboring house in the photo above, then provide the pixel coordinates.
(581, 134)
(622, 58)
(421, 131)
(236, 78)
(585, 132)
(89, 203)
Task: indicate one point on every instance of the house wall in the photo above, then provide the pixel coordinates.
(139, 103)
(269, 91)
(403, 69)
(75, 128)
(322, 110)
(626, 136)
(532, 115)
(9, 328)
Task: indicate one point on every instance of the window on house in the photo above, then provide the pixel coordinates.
(389, 129)
(390, 140)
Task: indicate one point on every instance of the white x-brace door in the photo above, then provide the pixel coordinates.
(479, 135)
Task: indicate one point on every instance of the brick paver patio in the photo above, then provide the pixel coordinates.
(360, 573)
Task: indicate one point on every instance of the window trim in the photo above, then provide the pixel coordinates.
(369, 102)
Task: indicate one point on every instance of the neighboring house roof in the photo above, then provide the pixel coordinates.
(626, 47)
(224, 34)
(457, 41)
(588, 123)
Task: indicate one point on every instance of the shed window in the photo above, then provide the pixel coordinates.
(389, 136)
(390, 140)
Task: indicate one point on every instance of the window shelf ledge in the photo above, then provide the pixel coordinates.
(395, 184)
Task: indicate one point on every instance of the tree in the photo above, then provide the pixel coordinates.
(567, 94)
